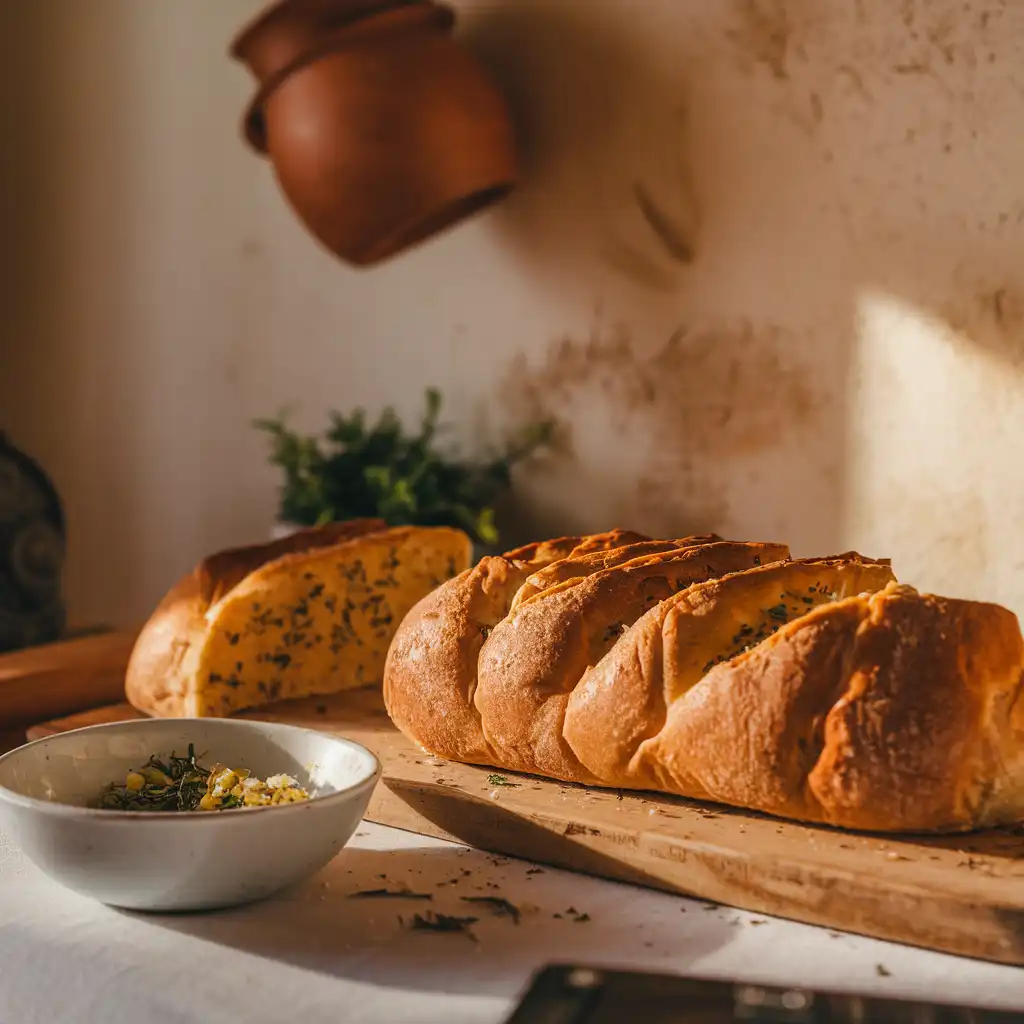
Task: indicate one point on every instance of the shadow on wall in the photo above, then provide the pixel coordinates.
(67, 204)
(670, 181)
(929, 165)
(606, 182)
(820, 154)
(709, 190)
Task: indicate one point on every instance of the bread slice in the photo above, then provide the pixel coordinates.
(673, 647)
(896, 711)
(312, 614)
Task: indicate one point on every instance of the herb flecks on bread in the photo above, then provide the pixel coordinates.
(314, 614)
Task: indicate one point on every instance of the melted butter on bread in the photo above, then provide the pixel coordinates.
(314, 624)
(728, 617)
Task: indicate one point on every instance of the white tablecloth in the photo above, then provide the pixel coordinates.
(316, 954)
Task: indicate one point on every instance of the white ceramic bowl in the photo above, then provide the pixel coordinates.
(182, 860)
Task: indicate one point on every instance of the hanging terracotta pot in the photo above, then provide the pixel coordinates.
(382, 129)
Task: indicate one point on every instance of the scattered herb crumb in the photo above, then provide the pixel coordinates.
(501, 780)
(756, 922)
(882, 971)
(501, 906)
(575, 915)
(535, 871)
(406, 894)
(431, 922)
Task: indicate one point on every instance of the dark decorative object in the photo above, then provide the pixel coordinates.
(32, 541)
(382, 129)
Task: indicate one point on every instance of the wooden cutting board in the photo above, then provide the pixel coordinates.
(83, 671)
(960, 895)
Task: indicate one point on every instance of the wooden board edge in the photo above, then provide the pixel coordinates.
(799, 893)
(51, 680)
(94, 716)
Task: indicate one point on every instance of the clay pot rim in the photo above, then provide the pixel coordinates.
(266, 16)
(415, 12)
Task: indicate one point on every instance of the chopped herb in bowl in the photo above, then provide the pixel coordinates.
(183, 784)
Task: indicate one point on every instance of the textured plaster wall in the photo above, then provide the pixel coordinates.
(764, 266)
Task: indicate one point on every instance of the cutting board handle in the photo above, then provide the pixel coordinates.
(58, 679)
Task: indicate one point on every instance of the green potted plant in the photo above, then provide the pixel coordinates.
(362, 469)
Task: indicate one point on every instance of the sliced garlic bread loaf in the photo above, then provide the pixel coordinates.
(313, 614)
(818, 689)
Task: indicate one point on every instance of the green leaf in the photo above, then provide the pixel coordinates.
(486, 529)
(361, 468)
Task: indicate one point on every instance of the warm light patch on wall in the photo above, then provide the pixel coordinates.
(931, 472)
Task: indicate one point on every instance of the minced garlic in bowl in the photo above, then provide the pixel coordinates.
(228, 788)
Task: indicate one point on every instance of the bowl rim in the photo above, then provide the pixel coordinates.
(56, 808)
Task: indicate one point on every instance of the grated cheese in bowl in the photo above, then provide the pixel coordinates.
(228, 788)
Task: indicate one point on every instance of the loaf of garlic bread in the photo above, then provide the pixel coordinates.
(816, 689)
(311, 614)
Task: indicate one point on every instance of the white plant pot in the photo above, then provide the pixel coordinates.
(281, 530)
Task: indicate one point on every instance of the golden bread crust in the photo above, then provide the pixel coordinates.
(679, 642)
(547, 551)
(887, 712)
(430, 674)
(533, 659)
(585, 561)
